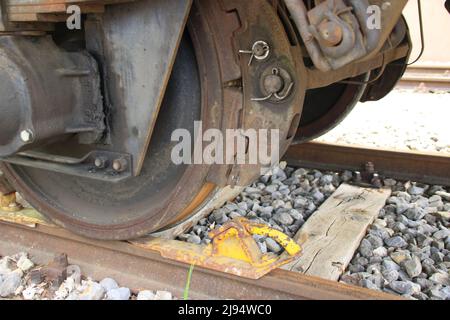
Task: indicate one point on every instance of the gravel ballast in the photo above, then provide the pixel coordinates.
(406, 251)
(16, 282)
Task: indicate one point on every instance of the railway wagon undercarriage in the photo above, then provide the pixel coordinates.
(93, 90)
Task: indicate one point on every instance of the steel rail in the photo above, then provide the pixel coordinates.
(432, 77)
(433, 168)
(144, 269)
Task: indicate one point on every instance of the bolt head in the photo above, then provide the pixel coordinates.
(100, 163)
(119, 165)
(261, 50)
(273, 83)
(27, 136)
(331, 33)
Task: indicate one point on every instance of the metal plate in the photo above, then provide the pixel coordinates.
(139, 42)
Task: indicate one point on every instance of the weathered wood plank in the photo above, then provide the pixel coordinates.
(331, 236)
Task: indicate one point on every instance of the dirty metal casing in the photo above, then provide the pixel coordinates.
(337, 33)
(350, 46)
(46, 94)
(260, 22)
(137, 43)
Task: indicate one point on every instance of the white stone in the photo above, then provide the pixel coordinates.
(118, 294)
(109, 284)
(163, 295)
(146, 295)
(92, 291)
(25, 264)
(380, 252)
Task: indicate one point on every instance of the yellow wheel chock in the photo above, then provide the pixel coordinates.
(232, 250)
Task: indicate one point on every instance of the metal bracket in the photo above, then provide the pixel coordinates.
(138, 43)
(98, 165)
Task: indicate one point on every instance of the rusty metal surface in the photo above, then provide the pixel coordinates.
(138, 67)
(233, 250)
(316, 78)
(430, 168)
(170, 197)
(143, 269)
(279, 110)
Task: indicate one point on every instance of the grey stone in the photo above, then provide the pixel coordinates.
(234, 215)
(366, 283)
(300, 203)
(390, 275)
(425, 284)
(380, 252)
(438, 257)
(374, 269)
(295, 214)
(271, 188)
(389, 182)
(422, 202)
(273, 246)
(375, 259)
(361, 260)
(231, 207)
(438, 294)
(421, 296)
(396, 242)
(441, 234)
(400, 256)
(318, 196)
(389, 265)
(436, 201)
(402, 287)
(356, 268)
(284, 218)
(416, 191)
(109, 284)
(375, 241)
(438, 244)
(243, 205)
(441, 278)
(262, 247)
(118, 294)
(413, 267)
(403, 276)
(383, 233)
(365, 248)
(251, 190)
(10, 284)
(194, 239)
(446, 292)
(416, 213)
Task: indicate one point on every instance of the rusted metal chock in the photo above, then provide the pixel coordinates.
(232, 250)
